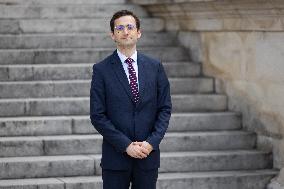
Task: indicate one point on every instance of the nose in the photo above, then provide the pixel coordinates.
(125, 30)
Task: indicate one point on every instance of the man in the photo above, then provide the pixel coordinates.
(130, 106)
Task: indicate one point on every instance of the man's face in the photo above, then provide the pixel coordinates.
(125, 37)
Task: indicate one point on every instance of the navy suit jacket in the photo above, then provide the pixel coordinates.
(119, 120)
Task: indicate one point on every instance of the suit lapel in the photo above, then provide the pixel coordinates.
(141, 77)
(120, 74)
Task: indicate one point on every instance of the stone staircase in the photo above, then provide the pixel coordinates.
(47, 141)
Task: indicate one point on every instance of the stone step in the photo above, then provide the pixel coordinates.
(77, 88)
(30, 72)
(211, 140)
(86, 55)
(56, 166)
(64, 125)
(208, 161)
(87, 144)
(80, 105)
(56, 2)
(33, 41)
(255, 179)
(199, 103)
(244, 179)
(25, 11)
(46, 166)
(83, 25)
(214, 160)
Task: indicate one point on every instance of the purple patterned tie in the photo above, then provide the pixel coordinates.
(133, 79)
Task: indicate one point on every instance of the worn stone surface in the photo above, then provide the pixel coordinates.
(63, 25)
(46, 183)
(82, 88)
(35, 126)
(77, 10)
(91, 40)
(192, 41)
(214, 181)
(82, 71)
(38, 167)
(44, 124)
(208, 15)
(91, 144)
(82, 55)
(249, 68)
(80, 105)
(59, 125)
(182, 162)
(277, 182)
(56, 2)
(208, 180)
(247, 65)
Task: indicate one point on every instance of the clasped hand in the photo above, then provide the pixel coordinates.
(139, 149)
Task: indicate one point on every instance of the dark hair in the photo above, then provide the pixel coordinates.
(123, 13)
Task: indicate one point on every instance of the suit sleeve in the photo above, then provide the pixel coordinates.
(99, 117)
(164, 109)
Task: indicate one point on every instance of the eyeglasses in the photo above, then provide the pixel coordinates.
(122, 27)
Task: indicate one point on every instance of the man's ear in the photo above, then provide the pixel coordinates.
(139, 33)
(112, 35)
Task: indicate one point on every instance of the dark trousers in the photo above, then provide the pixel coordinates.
(140, 179)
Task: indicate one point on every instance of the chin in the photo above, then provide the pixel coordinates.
(127, 44)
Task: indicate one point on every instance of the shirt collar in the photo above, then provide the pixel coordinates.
(123, 57)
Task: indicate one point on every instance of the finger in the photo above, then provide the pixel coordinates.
(137, 156)
(132, 152)
(139, 153)
(138, 143)
(146, 148)
(146, 144)
(145, 151)
(134, 155)
(142, 152)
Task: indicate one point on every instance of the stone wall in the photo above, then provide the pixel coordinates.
(241, 44)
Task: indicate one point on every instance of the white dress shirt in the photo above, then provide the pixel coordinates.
(125, 65)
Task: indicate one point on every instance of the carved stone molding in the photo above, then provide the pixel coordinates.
(218, 15)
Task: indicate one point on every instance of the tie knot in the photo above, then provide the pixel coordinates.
(129, 61)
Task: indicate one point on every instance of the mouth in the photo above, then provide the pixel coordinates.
(126, 37)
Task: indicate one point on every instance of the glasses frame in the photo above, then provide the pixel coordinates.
(129, 27)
